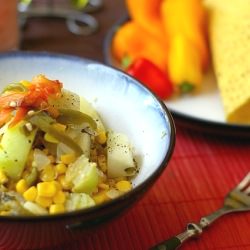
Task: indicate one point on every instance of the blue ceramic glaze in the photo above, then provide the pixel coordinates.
(125, 106)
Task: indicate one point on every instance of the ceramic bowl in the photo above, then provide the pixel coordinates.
(125, 106)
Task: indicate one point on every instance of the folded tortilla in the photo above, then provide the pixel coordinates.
(229, 32)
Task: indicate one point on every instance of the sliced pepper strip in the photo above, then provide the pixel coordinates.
(14, 97)
(22, 98)
(20, 114)
(18, 87)
(70, 116)
(31, 177)
(152, 77)
(44, 122)
(5, 115)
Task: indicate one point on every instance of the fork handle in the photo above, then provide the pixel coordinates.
(175, 242)
(192, 230)
(170, 244)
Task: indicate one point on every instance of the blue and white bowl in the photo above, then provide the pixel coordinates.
(125, 106)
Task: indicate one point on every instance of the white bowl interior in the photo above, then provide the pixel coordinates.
(123, 105)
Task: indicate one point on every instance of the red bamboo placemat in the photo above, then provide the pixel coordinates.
(202, 170)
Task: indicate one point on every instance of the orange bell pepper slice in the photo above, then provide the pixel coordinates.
(135, 42)
(147, 13)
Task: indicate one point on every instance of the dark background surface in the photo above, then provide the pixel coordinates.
(52, 34)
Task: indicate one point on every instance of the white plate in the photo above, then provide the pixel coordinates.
(203, 111)
(205, 105)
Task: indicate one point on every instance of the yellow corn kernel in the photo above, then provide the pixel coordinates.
(59, 126)
(61, 168)
(100, 198)
(5, 212)
(102, 162)
(46, 189)
(21, 186)
(59, 197)
(3, 177)
(56, 209)
(49, 138)
(48, 173)
(101, 137)
(103, 186)
(30, 194)
(43, 201)
(63, 182)
(68, 158)
(123, 186)
(58, 185)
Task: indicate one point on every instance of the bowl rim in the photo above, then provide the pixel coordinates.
(139, 189)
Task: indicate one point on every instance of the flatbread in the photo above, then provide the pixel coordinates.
(229, 32)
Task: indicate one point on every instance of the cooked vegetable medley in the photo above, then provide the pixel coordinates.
(56, 155)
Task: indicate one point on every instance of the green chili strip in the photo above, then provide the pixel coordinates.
(14, 87)
(44, 122)
(70, 116)
(31, 177)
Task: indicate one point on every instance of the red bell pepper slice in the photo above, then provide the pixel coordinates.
(151, 76)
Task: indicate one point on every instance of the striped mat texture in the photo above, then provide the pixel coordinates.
(202, 170)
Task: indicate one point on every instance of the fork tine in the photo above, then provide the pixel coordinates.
(247, 191)
(241, 197)
(244, 183)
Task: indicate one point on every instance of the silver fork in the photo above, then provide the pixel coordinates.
(238, 200)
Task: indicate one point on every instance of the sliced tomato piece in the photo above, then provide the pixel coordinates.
(11, 97)
(20, 114)
(34, 96)
(5, 115)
